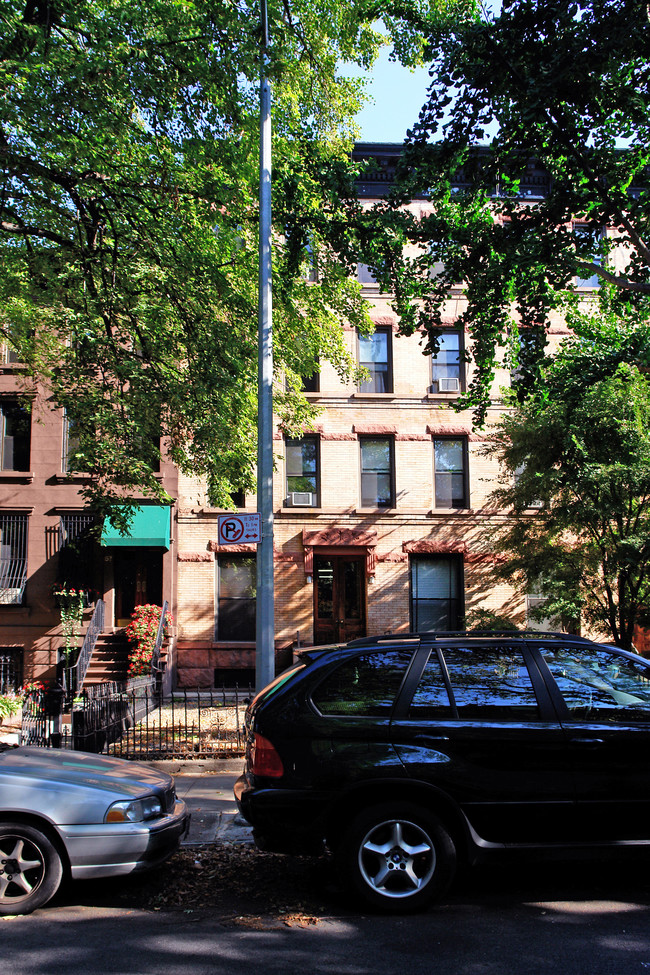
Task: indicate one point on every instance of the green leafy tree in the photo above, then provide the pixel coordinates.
(129, 142)
(576, 458)
(562, 85)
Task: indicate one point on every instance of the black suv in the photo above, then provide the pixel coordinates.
(405, 754)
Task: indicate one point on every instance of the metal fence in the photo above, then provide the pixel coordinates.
(133, 721)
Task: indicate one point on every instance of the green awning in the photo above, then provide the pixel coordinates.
(149, 528)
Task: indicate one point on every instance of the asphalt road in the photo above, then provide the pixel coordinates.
(587, 918)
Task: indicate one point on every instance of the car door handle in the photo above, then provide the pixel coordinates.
(587, 741)
(424, 739)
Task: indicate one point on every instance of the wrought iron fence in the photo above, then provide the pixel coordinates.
(133, 721)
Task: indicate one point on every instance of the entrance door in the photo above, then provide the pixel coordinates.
(138, 580)
(339, 598)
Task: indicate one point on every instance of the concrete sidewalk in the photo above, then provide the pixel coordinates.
(206, 786)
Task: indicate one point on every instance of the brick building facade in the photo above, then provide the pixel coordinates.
(380, 511)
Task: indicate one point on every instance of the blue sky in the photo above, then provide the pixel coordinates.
(398, 95)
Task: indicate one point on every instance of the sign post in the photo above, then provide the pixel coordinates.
(265, 614)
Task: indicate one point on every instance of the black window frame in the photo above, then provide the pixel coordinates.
(456, 613)
(223, 634)
(12, 444)
(363, 473)
(369, 386)
(464, 473)
(457, 367)
(295, 441)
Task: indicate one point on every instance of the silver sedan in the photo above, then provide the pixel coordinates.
(82, 815)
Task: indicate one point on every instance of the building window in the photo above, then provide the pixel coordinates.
(365, 275)
(583, 234)
(436, 588)
(446, 366)
(375, 356)
(71, 448)
(77, 550)
(13, 558)
(450, 472)
(11, 669)
(311, 384)
(302, 472)
(377, 480)
(238, 498)
(15, 431)
(236, 597)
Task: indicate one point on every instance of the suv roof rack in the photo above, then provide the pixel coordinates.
(435, 635)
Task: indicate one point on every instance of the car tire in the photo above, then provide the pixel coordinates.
(30, 869)
(397, 857)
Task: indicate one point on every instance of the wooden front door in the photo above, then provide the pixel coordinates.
(339, 598)
(138, 580)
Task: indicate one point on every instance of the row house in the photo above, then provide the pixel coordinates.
(46, 541)
(381, 511)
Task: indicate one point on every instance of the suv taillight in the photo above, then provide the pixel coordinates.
(264, 760)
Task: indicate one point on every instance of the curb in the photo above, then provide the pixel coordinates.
(199, 766)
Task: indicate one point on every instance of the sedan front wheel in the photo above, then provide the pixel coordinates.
(30, 869)
(397, 857)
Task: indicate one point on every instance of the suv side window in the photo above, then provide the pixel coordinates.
(600, 684)
(491, 684)
(363, 686)
(431, 698)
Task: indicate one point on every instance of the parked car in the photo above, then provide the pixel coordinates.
(407, 754)
(67, 812)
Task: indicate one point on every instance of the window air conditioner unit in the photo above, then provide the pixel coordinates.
(448, 385)
(301, 499)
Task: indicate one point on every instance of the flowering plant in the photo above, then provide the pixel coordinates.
(71, 607)
(31, 687)
(10, 703)
(141, 634)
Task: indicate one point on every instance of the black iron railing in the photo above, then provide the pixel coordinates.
(75, 675)
(160, 636)
(132, 721)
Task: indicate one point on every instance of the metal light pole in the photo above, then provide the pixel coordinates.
(265, 627)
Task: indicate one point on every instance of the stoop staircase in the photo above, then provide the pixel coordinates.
(110, 659)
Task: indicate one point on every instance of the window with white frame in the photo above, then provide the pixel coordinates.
(436, 592)
(13, 558)
(302, 472)
(450, 472)
(375, 355)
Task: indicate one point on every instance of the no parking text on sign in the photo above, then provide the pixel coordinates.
(238, 529)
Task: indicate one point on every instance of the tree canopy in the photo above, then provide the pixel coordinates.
(533, 149)
(576, 459)
(128, 217)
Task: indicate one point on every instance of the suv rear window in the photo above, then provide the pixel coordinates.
(365, 685)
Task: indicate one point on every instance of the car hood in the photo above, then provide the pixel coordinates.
(72, 768)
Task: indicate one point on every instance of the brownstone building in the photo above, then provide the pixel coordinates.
(45, 540)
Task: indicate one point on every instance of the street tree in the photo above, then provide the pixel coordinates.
(129, 143)
(575, 457)
(549, 91)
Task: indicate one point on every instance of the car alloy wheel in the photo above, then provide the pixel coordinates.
(397, 857)
(30, 869)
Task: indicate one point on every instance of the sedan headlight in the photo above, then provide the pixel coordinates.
(134, 810)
